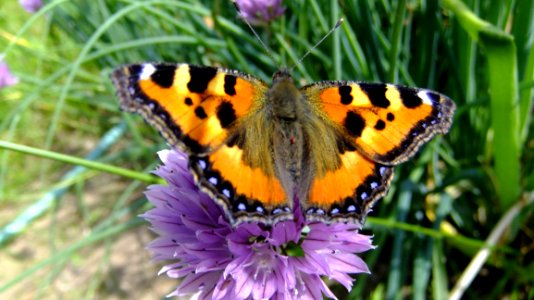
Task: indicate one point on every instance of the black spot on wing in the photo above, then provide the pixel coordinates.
(410, 98)
(380, 125)
(376, 94)
(354, 123)
(390, 117)
(164, 75)
(200, 77)
(229, 85)
(226, 114)
(344, 92)
(200, 113)
(188, 101)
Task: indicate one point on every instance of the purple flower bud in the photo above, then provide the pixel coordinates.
(31, 6)
(260, 11)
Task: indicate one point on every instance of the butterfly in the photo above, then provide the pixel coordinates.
(261, 151)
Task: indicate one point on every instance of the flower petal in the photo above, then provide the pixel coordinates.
(194, 282)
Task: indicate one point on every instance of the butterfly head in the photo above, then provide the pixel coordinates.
(282, 75)
(284, 96)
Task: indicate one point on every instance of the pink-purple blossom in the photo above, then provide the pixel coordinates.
(215, 260)
(6, 78)
(31, 6)
(260, 11)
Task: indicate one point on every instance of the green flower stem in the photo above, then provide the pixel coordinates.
(389, 224)
(500, 51)
(80, 162)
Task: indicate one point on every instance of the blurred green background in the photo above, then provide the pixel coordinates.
(69, 227)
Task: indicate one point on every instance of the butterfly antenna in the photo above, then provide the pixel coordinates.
(339, 22)
(253, 31)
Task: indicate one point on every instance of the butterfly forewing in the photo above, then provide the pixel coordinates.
(194, 108)
(387, 123)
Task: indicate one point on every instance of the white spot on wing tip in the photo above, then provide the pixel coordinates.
(424, 96)
(148, 70)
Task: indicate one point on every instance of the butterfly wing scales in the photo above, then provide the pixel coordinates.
(388, 123)
(247, 192)
(358, 182)
(199, 110)
(192, 107)
(379, 125)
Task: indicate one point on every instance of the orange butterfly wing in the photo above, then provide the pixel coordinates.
(247, 193)
(388, 123)
(198, 109)
(192, 107)
(379, 125)
(349, 192)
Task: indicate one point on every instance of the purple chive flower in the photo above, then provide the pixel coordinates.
(250, 261)
(260, 11)
(31, 6)
(6, 78)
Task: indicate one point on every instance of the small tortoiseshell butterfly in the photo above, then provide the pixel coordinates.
(331, 144)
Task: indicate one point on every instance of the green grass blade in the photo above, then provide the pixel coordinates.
(395, 41)
(501, 54)
(79, 161)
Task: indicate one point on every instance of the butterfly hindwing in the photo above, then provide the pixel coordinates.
(247, 193)
(388, 123)
(349, 192)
